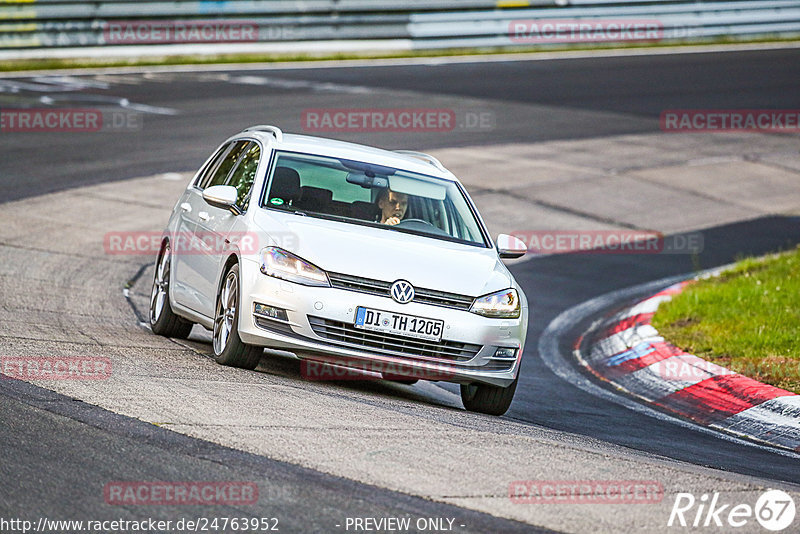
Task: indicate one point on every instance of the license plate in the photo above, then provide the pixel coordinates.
(399, 324)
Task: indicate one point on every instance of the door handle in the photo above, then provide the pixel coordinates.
(203, 216)
(186, 207)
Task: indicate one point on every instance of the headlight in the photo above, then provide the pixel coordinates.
(286, 266)
(504, 304)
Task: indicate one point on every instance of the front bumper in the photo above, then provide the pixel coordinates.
(319, 327)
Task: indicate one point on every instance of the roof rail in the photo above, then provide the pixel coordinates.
(423, 156)
(274, 130)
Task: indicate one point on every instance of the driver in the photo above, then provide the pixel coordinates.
(393, 206)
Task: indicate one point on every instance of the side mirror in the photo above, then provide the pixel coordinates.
(222, 196)
(510, 247)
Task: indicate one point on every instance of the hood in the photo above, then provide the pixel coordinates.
(387, 255)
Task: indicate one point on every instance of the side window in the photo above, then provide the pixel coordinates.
(208, 170)
(219, 175)
(245, 174)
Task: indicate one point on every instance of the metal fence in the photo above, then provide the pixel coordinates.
(422, 24)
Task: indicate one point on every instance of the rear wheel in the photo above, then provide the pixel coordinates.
(491, 400)
(228, 346)
(163, 320)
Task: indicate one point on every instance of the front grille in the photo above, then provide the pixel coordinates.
(391, 345)
(381, 288)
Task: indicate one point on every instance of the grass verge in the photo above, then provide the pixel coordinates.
(747, 319)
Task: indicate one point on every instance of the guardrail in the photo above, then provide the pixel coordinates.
(424, 24)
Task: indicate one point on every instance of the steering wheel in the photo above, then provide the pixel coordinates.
(412, 221)
(421, 225)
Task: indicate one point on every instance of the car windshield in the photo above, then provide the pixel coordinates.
(371, 195)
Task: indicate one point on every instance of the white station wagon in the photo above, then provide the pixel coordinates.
(348, 256)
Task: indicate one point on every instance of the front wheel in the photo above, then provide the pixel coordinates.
(491, 400)
(228, 346)
(163, 320)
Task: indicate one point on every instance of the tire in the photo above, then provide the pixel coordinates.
(163, 320)
(491, 400)
(228, 346)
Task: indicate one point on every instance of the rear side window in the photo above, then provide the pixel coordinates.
(213, 163)
(218, 173)
(244, 175)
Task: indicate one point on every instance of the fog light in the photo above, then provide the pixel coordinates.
(507, 353)
(270, 312)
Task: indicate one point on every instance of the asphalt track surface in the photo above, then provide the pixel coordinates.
(635, 89)
(63, 448)
(36, 423)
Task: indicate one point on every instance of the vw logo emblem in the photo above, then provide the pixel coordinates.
(402, 292)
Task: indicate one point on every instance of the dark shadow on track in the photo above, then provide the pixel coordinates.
(65, 451)
(556, 283)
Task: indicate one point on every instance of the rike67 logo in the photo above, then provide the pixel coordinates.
(774, 510)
